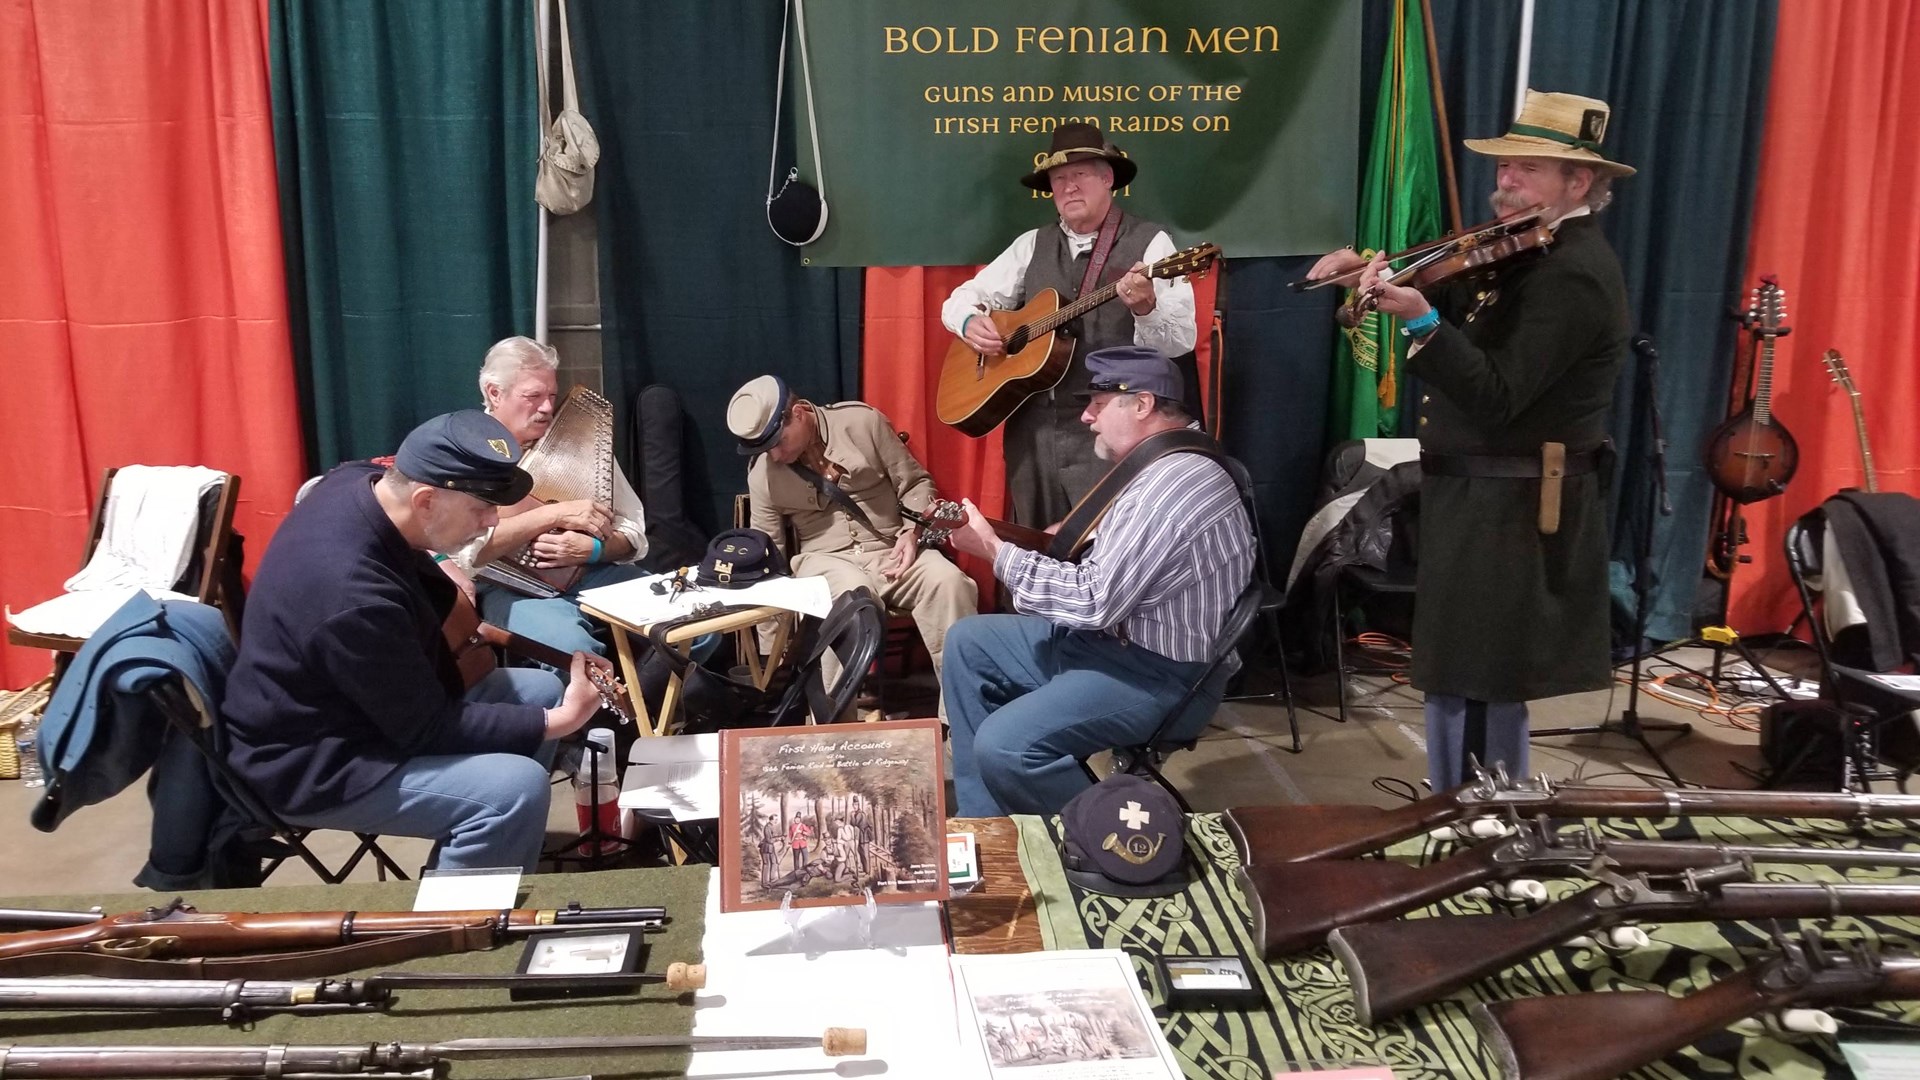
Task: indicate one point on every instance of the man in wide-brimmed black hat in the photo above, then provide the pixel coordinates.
(1050, 462)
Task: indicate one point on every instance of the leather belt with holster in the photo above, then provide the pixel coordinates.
(1552, 465)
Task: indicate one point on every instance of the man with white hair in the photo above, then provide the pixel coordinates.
(1050, 462)
(519, 382)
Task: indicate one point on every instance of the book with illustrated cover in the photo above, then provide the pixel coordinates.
(825, 813)
(1064, 1015)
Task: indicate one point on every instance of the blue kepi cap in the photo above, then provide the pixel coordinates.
(466, 451)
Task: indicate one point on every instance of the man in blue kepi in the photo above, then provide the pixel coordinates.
(1103, 648)
(346, 708)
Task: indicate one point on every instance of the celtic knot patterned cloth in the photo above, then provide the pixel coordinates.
(1309, 1023)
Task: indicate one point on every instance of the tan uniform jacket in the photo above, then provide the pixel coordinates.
(881, 478)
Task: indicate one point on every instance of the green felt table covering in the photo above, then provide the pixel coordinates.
(1309, 1020)
(421, 1016)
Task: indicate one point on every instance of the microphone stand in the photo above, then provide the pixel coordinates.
(1658, 506)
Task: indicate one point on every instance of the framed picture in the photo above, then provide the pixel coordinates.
(822, 814)
(585, 954)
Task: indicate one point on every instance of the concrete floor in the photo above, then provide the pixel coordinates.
(1242, 759)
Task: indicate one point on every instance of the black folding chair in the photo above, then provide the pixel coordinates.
(1271, 601)
(854, 629)
(1180, 729)
(278, 841)
(1877, 723)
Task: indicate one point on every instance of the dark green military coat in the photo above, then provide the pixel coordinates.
(1523, 356)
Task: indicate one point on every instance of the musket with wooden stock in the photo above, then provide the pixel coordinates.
(180, 930)
(367, 1060)
(1395, 966)
(241, 1001)
(1294, 906)
(1274, 834)
(1595, 1036)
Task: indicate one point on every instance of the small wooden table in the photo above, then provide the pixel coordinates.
(759, 668)
(999, 915)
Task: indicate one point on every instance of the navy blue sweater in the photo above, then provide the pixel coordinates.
(343, 671)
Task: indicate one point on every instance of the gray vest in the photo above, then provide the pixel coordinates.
(1053, 267)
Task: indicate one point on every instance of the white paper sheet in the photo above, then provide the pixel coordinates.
(676, 773)
(899, 991)
(690, 790)
(1897, 682)
(636, 603)
(473, 889)
(1075, 1014)
(676, 748)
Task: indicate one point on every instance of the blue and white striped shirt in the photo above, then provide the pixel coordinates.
(1168, 560)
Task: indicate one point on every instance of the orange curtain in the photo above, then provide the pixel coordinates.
(143, 309)
(1838, 222)
(902, 345)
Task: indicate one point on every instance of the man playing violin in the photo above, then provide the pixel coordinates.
(1050, 464)
(345, 707)
(1518, 364)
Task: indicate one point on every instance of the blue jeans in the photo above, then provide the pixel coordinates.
(556, 621)
(1028, 701)
(1490, 732)
(480, 810)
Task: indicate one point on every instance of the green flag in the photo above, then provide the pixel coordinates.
(1399, 207)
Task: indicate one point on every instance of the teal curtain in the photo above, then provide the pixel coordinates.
(1687, 82)
(406, 137)
(696, 292)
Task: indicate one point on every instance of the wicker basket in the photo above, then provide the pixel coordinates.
(16, 706)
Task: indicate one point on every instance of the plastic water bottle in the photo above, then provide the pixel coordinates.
(27, 738)
(596, 793)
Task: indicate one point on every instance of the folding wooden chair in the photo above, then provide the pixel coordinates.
(213, 541)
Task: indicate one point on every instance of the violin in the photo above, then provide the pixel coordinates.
(1444, 264)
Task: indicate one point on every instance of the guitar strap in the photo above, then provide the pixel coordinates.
(1075, 532)
(836, 495)
(1102, 247)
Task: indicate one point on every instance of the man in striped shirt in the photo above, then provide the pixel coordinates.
(1101, 649)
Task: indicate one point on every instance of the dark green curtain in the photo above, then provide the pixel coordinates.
(1686, 80)
(406, 137)
(697, 293)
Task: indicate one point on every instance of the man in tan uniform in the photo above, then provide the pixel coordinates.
(837, 476)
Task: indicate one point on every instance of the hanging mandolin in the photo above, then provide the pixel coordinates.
(1751, 455)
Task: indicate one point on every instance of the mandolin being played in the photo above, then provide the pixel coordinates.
(346, 710)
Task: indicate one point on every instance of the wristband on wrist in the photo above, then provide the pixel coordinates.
(1421, 326)
(598, 547)
(964, 322)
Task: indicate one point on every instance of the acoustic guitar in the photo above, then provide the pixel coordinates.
(473, 641)
(1751, 455)
(978, 392)
(1837, 368)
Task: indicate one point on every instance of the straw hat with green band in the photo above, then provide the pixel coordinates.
(1565, 126)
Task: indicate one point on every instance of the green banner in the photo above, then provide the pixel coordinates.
(1242, 116)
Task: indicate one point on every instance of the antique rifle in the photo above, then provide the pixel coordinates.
(1272, 834)
(180, 930)
(242, 1001)
(44, 919)
(1395, 966)
(1615, 1033)
(374, 1059)
(1295, 906)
